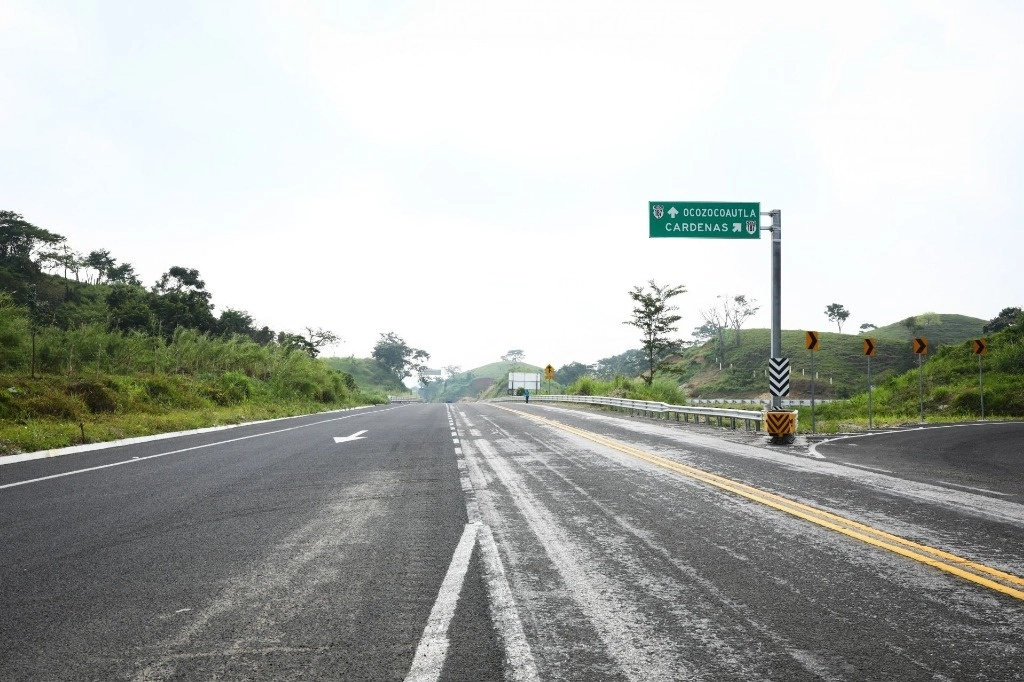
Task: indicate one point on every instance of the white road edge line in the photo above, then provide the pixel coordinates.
(133, 460)
(105, 445)
(867, 468)
(969, 487)
(433, 647)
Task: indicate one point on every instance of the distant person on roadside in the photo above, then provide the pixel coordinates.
(527, 394)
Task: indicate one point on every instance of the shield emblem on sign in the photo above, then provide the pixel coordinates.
(659, 211)
(751, 226)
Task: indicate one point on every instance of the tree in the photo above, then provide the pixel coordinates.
(235, 323)
(20, 240)
(739, 311)
(837, 313)
(295, 342)
(1005, 318)
(569, 374)
(514, 356)
(393, 354)
(129, 309)
(319, 337)
(181, 300)
(715, 323)
(627, 364)
(653, 317)
(867, 326)
(102, 262)
(122, 273)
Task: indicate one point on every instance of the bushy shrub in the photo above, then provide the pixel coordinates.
(234, 387)
(97, 397)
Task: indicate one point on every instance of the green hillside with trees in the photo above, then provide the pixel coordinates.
(87, 353)
(483, 382)
(735, 366)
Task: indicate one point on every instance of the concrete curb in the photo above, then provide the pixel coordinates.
(89, 447)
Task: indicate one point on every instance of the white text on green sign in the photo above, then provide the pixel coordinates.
(707, 219)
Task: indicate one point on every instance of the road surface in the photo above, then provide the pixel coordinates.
(521, 542)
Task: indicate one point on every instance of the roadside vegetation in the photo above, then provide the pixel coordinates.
(89, 354)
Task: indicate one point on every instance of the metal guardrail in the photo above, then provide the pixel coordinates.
(804, 402)
(646, 406)
(404, 399)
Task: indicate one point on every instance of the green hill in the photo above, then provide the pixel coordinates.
(483, 382)
(940, 330)
(950, 379)
(840, 363)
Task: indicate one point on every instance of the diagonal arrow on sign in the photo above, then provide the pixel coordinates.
(355, 436)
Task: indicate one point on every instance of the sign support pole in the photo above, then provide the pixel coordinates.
(981, 388)
(776, 230)
(920, 385)
(813, 423)
(869, 393)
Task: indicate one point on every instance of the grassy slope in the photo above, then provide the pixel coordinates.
(951, 384)
(953, 329)
(840, 358)
(52, 411)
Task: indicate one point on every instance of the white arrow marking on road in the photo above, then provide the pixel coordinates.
(672, 212)
(355, 436)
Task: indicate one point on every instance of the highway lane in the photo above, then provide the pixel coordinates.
(625, 570)
(476, 542)
(275, 554)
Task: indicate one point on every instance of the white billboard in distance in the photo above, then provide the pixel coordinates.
(523, 380)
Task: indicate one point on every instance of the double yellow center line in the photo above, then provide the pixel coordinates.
(992, 578)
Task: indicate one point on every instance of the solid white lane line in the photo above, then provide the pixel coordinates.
(980, 490)
(433, 646)
(133, 460)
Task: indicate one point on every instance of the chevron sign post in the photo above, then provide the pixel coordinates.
(778, 376)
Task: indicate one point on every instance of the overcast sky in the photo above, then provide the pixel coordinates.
(474, 175)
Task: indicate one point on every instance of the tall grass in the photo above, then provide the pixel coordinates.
(662, 389)
(107, 383)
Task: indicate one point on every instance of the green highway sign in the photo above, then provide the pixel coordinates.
(708, 219)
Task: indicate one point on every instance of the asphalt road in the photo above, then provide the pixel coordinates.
(520, 542)
(984, 457)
